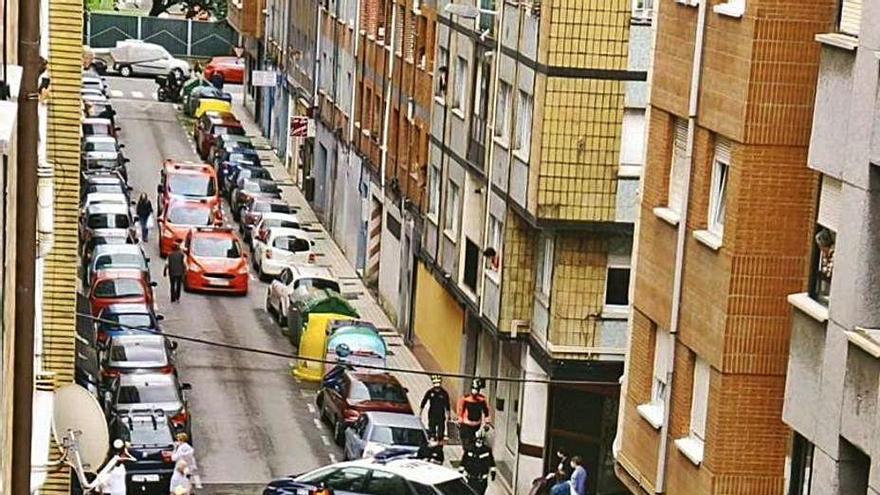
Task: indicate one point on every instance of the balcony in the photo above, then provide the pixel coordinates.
(246, 17)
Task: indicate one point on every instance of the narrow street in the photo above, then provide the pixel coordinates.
(252, 421)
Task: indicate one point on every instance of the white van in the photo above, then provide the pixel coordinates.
(134, 57)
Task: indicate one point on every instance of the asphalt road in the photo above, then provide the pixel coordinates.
(252, 421)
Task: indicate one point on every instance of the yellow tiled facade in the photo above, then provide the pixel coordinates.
(518, 271)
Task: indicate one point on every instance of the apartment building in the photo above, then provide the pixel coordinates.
(302, 40)
(247, 18)
(833, 368)
(727, 217)
(536, 150)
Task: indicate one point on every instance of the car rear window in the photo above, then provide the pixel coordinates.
(137, 320)
(149, 433)
(145, 393)
(293, 244)
(138, 352)
(392, 435)
(96, 130)
(221, 130)
(269, 187)
(187, 215)
(248, 157)
(278, 222)
(264, 207)
(105, 188)
(120, 287)
(105, 221)
(389, 392)
(317, 283)
(191, 185)
(216, 247)
(102, 146)
(120, 260)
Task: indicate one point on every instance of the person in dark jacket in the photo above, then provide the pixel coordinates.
(175, 269)
(478, 465)
(437, 400)
(144, 210)
(432, 451)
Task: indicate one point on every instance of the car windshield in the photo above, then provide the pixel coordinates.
(280, 222)
(105, 188)
(253, 173)
(389, 392)
(317, 283)
(101, 163)
(247, 157)
(145, 393)
(392, 435)
(128, 320)
(290, 243)
(120, 260)
(119, 287)
(216, 247)
(108, 221)
(102, 146)
(358, 340)
(191, 185)
(187, 215)
(221, 130)
(96, 130)
(149, 433)
(141, 351)
(274, 208)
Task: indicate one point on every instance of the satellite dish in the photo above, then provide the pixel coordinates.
(77, 411)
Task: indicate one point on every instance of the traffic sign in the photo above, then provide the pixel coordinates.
(302, 126)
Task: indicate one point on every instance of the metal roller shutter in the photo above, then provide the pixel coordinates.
(850, 16)
(829, 203)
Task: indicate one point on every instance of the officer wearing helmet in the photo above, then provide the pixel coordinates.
(473, 413)
(478, 463)
(437, 400)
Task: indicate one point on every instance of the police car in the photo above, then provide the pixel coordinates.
(388, 474)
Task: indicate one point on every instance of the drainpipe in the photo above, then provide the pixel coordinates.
(490, 136)
(387, 94)
(693, 101)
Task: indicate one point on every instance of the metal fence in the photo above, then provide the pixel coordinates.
(185, 38)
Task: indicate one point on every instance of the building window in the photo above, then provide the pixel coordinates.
(452, 202)
(493, 250)
(442, 72)
(502, 111)
(471, 264)
(662, 348)
(825, 239)
(700, 399)
(718, 193)
(617, 286)
(678, 167)
(545, 266)
(461, 78)
(632, 142)
(850, 15)
(800, 476)
(643, 9)
(524, 124)
(433, 191)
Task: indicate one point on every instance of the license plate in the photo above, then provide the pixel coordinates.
(220, 283)
(145, 478)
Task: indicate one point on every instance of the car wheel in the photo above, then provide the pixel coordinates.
(269, 306)
(280, 318)
(294, 326)
(339, 432)
(125, 71)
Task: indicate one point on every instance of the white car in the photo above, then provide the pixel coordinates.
(296, 279)
(282, 247)
(96, 82)
(272, 219)
(389, 475)
(104, 198)
(133, 57)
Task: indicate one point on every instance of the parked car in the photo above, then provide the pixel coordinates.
(135, 57)
(246, 189)
(106, 216)
(300, 279)
(241, 170)
(120, 287)
(136, 352)
(106, 182)
(84, 91)
(374, 432)
(154, 391)
(215, 261)
(227, 69)
(117, 319)
(387, 476)
(211, 125)
(103, 237)
(231, 141)
(116, 257)
(230, 157)
(252, 211)
(96, 126)
(98, 106)
(182, 216)
(346, 394)
(96, 82)
(103, 153)
(273, 219)
(195, 97)
(355, 342)
(97, 198)
(186, 181)
(149, 436)
(282, 248)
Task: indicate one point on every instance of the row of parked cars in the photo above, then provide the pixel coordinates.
(124, 359)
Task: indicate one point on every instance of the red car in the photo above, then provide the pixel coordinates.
(211, 125)
(345, 394)
(119, 287)
(187, 181)
(181, 217)
(228, 69)
(215, 261)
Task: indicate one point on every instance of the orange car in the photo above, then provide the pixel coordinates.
(187, 181)
(215, 261)
(182, 216)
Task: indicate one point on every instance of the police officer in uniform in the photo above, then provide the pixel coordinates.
(437, 400)
(478, 464)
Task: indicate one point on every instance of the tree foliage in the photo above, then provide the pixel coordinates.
(217, 8)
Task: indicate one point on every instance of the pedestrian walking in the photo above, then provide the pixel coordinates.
(175, 269)
(437, 400)
(114, 484)
(183, 451)
(478, 464)
(144, 210)
(473, 413)
(180, 481)
(577, 484)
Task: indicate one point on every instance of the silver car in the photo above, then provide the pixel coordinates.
(376, 431)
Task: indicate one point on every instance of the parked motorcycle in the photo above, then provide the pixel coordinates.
(170, 86)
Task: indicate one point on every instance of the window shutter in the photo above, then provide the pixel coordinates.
(722, 150)
(700, 400)
(662, 347)
(679, 166)
(829, 203)
(850, 16)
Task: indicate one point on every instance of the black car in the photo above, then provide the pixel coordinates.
(153, 391)
(240, 171)
(252, 188)
(150, 436)
(231, 156)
